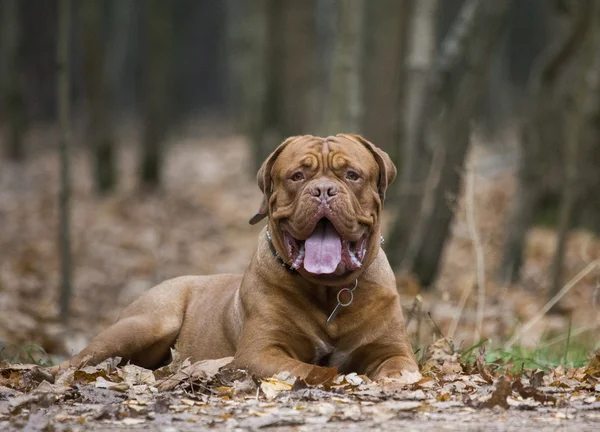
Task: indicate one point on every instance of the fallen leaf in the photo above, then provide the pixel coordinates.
(135, 375)
(531, 392)
(201, 370)
(321, 375)
(271, 387)
(593, 367)
(354, 379)
(442, 357)
(537, 378)
(426, 383)
(503, 390)
(482, 369)
(443, 397)
(132, 421)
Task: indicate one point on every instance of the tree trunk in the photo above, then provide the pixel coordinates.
(455, 85)
(297, 75)
(387, 35)
(99, 94)
(64, 117)
(118, 48)
(12, 86)
(521, 214)
(542, 135)
(420, 60)
(575, 123)
(249, 72)
(344, 102)
(273, 70)
(157, 88)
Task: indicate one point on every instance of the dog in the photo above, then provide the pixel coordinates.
(318, 294)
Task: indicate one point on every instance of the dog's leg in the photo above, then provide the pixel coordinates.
(141, 339)
(144, 333)
(383, 359)
(270, 361)
(266, 353)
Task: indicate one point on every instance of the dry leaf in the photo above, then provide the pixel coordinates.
(531, 392)
(271, 387)
(321, 375)
(503, 390)
(135, 375)
(537, 378)
(593, 367)
(442, 357)
(204, 369)
(482, 369)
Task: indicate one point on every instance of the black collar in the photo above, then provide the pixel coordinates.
(285, 265)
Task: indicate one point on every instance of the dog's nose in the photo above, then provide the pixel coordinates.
(324, 190)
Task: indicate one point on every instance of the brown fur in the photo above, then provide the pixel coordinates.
(272, 320)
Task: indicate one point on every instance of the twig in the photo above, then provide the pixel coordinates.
(419, 318)
(565, 289)
(412, 310)
(573, 333)
(568, 339)
(440, 332)
(479, 254)
(596, 295)
(461, 306)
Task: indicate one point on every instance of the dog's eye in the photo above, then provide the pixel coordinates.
(297, 176)
(352, 175)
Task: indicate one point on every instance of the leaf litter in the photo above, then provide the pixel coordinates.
(213, 393)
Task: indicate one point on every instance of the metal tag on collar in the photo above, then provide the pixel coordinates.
(345, 297)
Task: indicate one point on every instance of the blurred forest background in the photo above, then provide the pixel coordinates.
(131, 132)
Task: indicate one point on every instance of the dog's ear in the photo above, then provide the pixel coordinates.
(387, 169)
(265, 183)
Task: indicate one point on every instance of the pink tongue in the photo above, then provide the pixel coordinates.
(323, 249)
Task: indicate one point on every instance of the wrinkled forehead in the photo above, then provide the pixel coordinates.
(334, 148)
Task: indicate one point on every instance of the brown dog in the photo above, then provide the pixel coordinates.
(323, 198)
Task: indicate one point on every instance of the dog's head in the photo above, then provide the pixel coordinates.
(324, 198)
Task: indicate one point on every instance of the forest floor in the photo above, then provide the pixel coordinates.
(197, 224)
(453, 394)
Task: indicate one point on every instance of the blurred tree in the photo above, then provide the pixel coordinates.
(344, 102)
(576, 121)
(64, 119)
(542, 135)
(273, 70)
(100, 96)
(119, 55)
(454, 87)
(11, 79)
(248, 52)
(524, 40)
(156, 86)
(383, 81)
(420, 59)
(294, 65)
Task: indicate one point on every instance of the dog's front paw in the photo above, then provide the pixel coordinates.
(400, 368)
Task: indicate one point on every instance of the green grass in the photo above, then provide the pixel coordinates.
(31, 353)
(573, 352)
